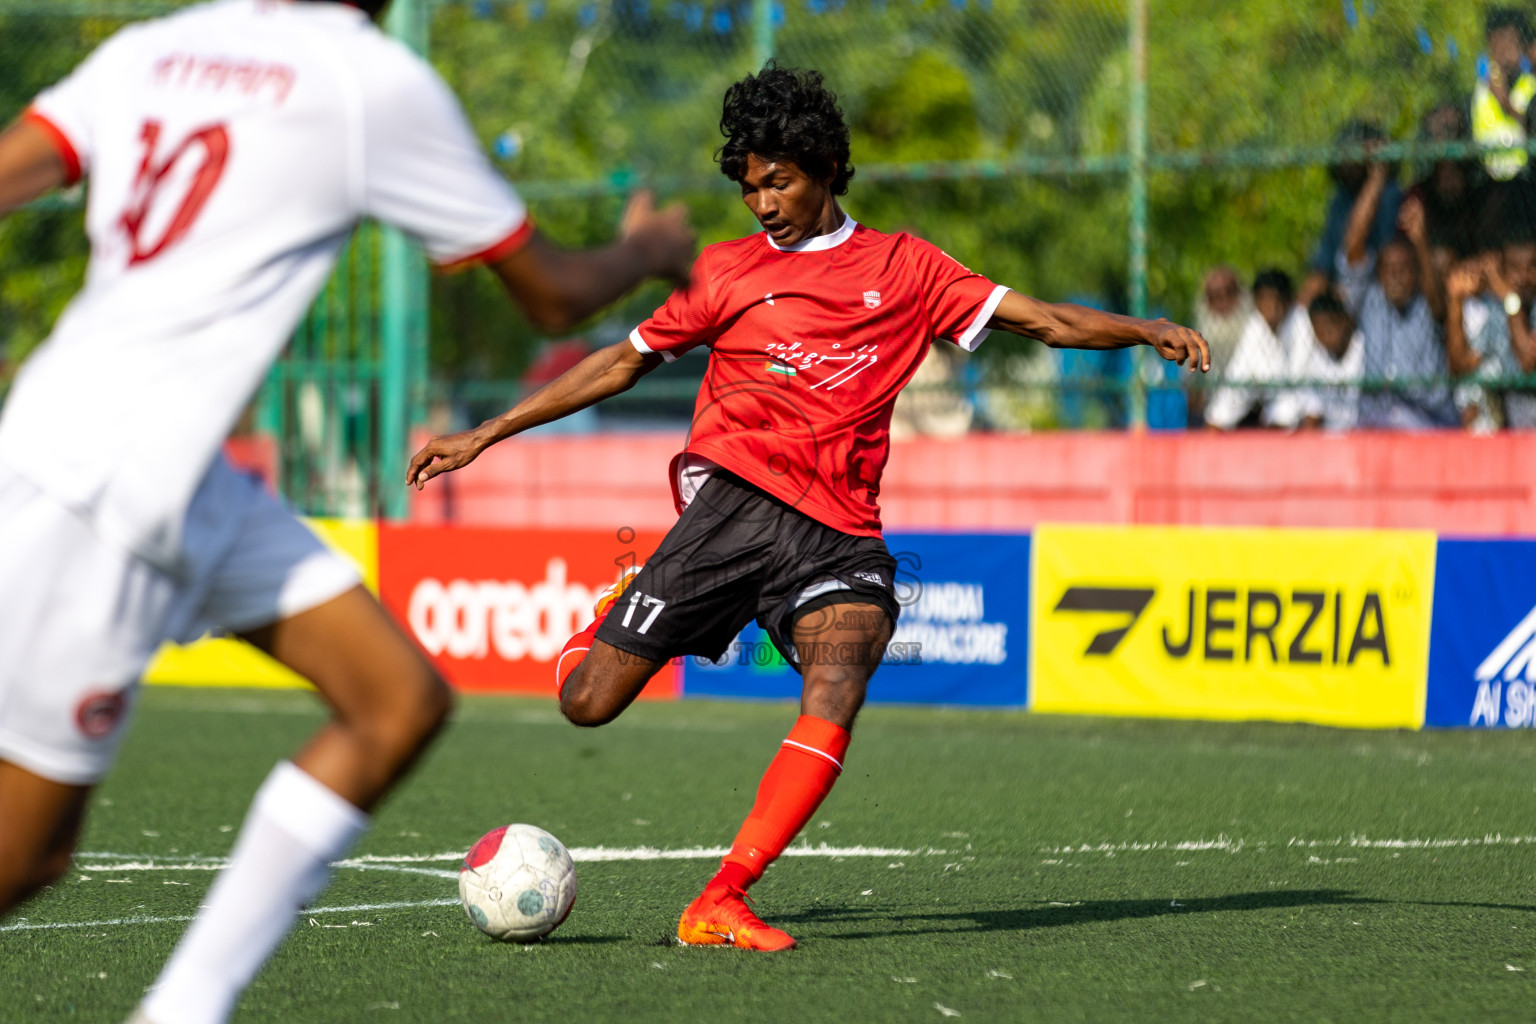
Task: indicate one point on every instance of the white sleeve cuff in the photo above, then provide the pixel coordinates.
(977, 332)
(640, 346)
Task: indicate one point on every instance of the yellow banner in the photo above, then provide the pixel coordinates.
(217, 662)
(1325, 626)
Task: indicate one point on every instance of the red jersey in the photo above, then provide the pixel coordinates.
(810, 346)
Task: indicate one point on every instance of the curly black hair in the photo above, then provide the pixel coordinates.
(785, 114)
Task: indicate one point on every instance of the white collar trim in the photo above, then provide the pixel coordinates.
(821, 242)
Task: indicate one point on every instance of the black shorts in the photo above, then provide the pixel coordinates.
(738, 553)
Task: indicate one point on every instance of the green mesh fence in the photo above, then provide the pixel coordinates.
(1105, 152)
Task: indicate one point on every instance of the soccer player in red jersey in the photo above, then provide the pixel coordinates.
(814, 325)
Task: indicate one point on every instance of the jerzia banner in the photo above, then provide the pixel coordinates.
(1327, 626)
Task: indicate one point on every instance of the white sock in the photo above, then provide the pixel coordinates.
(294, 829)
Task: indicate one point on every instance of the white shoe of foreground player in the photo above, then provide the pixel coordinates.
(139, 1018)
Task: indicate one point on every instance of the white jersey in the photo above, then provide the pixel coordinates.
(231, 149)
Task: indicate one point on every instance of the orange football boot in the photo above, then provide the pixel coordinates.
(613, 592)
(721, 917)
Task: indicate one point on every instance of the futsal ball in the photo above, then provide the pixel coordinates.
(518, 883)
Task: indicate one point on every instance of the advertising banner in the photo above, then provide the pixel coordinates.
(962, 637)
(1325, 626)
(1482, 648)
(226, 662)
(493, 607)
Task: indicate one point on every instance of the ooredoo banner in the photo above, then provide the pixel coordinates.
(493, 607)
(1326, 626)
(1482, 650)
(961, 637)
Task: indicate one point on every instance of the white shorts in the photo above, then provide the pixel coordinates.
(80, 617)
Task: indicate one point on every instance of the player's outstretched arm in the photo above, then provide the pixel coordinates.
(604, 373)
(559, 288)
(30, 165)
(1063, 325)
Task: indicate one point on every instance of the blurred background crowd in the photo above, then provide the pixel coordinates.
(1336, 192)
(1422, 286)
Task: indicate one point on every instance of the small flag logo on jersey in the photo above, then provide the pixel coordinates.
(788, 371)
(871, 300)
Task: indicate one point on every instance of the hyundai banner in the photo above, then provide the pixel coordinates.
(961, 638)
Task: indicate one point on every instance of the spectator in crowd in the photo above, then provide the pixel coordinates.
(1349, 178)
(1397, 318)
(1222, 310)
(1328, 361)
(1451, 192)
(1246, 395)
(1503, 92)
(1490, 335)
(1221, 313)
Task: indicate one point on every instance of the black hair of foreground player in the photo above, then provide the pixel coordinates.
(785, 114)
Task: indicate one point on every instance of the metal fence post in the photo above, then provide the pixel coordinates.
(762, 33)
(403, 319)
(1136, 132)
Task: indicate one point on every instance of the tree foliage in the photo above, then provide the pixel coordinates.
(581, 99)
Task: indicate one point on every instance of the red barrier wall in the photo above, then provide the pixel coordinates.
(1454, 483)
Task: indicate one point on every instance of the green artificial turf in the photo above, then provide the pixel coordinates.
(1002, 925)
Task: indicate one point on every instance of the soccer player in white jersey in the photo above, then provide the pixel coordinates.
(231, 150)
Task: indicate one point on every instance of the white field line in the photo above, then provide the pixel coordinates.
(357, 908)
(1360, 842)
(103, 863)
(1226, 844)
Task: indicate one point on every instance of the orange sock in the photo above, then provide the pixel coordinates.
(800, 777)
(574, 650)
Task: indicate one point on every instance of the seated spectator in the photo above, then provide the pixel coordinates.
(1222, 310)
(1327, 363)
(1501, 105)
(1246, 395)
(1349, 178)
(1221, 313)
(1489, 334)
(1451, 193)
(1397, 318)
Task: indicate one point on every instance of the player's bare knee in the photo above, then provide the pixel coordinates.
(834, 692)
(585, 705)
(423, 711)
(404, 716)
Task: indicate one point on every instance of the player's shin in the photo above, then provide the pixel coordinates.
(296, 827)
(799, 779)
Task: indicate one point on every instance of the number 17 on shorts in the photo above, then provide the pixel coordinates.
(640, 611)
